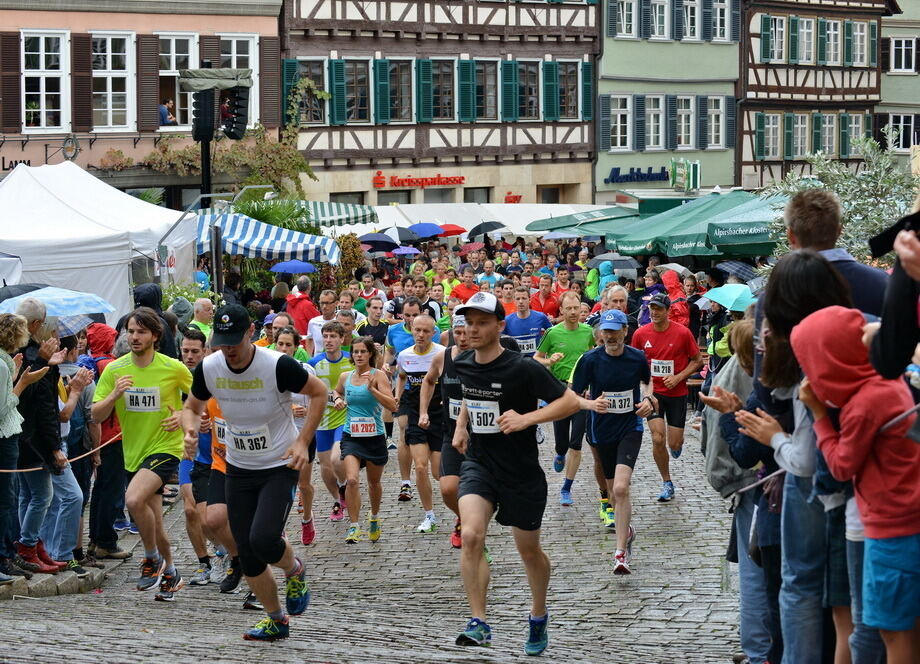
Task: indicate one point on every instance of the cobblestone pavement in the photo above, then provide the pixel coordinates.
(401, 599)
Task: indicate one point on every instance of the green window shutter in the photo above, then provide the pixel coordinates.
(638, 123)
(788, 123)
(730, 122)
(289, 71)
(867, 125)
(466, 78)
(793, 40)
(587, 91)
(706, 32)
(817, 122)
(702, 122)
(603, 123)
(873, 44)
(765, 38)
(338, 112)
(550, 91)
(843, 125)
(822, 41)
(677, 20)
(424, 91)
(670, 122)
(509, 91)
(848, 43)
(760, 121)
(382, 91)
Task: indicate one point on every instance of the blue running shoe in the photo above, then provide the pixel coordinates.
(538, 639)
(477, 633)
(565, 498)
(667, 492)
(676, 453)
(132, 528)
(269, 630)
(297, 592)
(121, 525)
(559, 463)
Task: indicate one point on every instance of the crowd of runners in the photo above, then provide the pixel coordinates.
(458, 368)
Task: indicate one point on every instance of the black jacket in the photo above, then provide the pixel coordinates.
(38, 405)
(896, 340)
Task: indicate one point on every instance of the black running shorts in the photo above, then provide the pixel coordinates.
(519, 501)
(217, 493)
(164, 465)
(451, 459)
(201, 473)
(623, 452)
(366, 448)
(416, 435)
(672, 409)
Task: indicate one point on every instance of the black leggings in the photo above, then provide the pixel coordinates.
(569, 432)
(258, 503)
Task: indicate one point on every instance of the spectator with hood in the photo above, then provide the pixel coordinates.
(680, 308)
(151, 295)
(300, 306)
(607, 277)
(653, 285)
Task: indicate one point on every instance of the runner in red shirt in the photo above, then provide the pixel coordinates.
(673, 356)
(544, 301)
(563, 282)
(466, 289)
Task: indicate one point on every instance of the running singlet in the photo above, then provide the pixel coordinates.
(142, 407)
(415, 366)
(218, 437)
(451, 394)
(364, 413)
(619, 379)
(302, 399)
(510, 382)
(668, 353)
(527, 331)
(571, 343)
(329, 372)
(256, 403)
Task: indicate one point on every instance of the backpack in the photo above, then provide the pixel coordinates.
(92, 363)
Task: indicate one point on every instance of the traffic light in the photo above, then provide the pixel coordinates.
(236, 116)
(203, 115)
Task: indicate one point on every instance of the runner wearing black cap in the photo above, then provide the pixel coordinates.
(264, 455)
(501, 473)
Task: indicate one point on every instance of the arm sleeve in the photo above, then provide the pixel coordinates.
(845, 451)
(290, 375)
(548, 387)
(544, 343)
(184, 376)
(796, 453)
(199, 388)
(4, 374)
(510, 343)
(746, 451)
(896, 340)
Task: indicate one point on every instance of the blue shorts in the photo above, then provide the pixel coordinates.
(185, 471)
(891, 583)
(325, 439)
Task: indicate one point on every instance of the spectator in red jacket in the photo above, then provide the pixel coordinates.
(300, 306)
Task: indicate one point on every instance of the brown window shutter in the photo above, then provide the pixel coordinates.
(148, 82)
(81, 90)
(885, 56)
(270, 81)
(10, 82)
(209, 49)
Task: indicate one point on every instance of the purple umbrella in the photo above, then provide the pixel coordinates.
(406, 251)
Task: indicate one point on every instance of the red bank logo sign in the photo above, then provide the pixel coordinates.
(380, 181)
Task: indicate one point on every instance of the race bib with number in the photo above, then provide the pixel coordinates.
(362, 427)
(142, 399)
(220, 430)
(619, 402)
(483, 416)
(662, 368)
(527, 345)
(454, 408)
(253, 441)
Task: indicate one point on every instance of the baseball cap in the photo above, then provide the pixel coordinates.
(485, 302)
(659, 300)
(268, 319)
(231, 323)
(613, 319)
(458, 321)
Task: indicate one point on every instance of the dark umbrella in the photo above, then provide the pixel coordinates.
(619, 262)
(485, 227)
(401, 235)
(6, 292)
(378, 242)
(738, 269)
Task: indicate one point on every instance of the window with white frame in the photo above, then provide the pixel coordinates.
(619, 123)
(715, 121)
(799, 135)
(529, 90)
(904, 125)
(45, 66)
(654, 123)
(855, 131)
(239, 52)
(806, 40)
(833, 42)
(568, 90)
(400, 77)
(691, 19)
(720, 13)
(685, 122)
(829, 134)
(902, 54)
(860, 39)
(659, 19)
(357, 91)
(777, 38)
(626, 18)
(486, 90)
(177, 52)
(112, 63)
(771, 134)
(312, 108)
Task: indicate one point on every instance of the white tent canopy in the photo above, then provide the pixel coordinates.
(10, 269)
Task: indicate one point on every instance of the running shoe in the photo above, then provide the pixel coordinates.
(621, 563)
(565, 498)
(391, 445)
(456, 539)
(336, 514)
(629, 539)
(405, 493)
(610, 521)
(676, 453)
(169, 586)
(268, 630)
(307, 532)
(133, 529)
(559, 463)
(76, 568)
(219, 564)
(427, 526)
(477, 633)
(354, 535)
(232, 580)
(541, 437)
(297, 592)
(667, 492)
(89, 560)
(201, 577)
(151, 571)
(121, 525)
(252, 603)
(537, 639)
(113, 553)
(373, 530)
(486, 554)
(170, 491)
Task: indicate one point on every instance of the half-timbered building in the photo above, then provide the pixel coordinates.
(445, 100)
(810, 79)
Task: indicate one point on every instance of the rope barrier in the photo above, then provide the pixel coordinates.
(114, 439)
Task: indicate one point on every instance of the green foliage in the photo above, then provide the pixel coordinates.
(872, 197)
(351, 259)
(153, 195)
(190, 292)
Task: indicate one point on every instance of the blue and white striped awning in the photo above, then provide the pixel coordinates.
(339, 214)
(244, 236)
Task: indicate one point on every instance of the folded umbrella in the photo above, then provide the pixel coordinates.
(734, 297)
(738, 269)
(293, 267)
(61, 302)
(425, 229)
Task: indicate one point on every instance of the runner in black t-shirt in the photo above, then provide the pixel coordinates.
(502, 471)
(373, 326)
